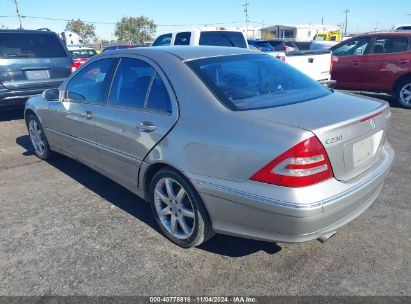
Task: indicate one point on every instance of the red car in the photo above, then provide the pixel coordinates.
(80, 55)
(379, 62)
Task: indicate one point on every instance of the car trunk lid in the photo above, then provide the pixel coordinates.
(352, 129)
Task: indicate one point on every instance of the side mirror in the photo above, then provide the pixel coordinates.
(51, 94)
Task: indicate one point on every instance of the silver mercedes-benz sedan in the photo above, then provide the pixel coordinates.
(222, 140)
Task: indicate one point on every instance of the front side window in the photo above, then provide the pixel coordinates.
(183, 38)
(130, 84)
(247, 82)
(89, 83)
(223, 38)
(390, 44)
(354, 47)
(163, 40)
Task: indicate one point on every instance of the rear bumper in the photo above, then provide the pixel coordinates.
(253, 215)
(18, 96)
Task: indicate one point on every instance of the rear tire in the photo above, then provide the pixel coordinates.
(178, 209)
(403, 93)
(38, 138)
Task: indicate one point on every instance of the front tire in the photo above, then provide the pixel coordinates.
(403, 93)
(38, 138)
(178, 209)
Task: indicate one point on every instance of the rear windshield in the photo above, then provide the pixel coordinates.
(248, 82)
(27, 45)
(263, 44)
(290, 44)
(77, 54)
(223, 38)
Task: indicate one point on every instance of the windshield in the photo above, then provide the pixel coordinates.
(248, 82)
(223, 38)
(77, 54)
(28, 45)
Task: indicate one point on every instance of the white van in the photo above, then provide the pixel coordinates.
(217, 36)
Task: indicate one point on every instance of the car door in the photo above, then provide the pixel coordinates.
(388, 57)
(71, 120)
(347, 65)
(140, 110)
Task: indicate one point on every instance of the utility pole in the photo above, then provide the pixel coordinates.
(346, 20)
(18, 14)
(246, 17)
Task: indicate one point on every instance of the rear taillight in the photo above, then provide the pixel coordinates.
(75, 65)
(303, 165)
(260, 49)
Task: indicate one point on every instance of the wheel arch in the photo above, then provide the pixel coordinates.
(27, 113)
(399, 80)
(153, 168)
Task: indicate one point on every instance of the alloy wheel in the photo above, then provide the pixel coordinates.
(36, 138)
(405, 95)
(174, 208)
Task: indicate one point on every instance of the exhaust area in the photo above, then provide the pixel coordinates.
(326, 237)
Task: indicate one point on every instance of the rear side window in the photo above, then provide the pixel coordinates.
(183, 38)
(390, 44)
(28, 45)
(223, 38)
(248, 82)
(131, 82)
(162, 40)
(159, 100)
(89, 83)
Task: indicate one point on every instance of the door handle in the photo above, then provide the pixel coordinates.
(87, 114)
(146, 126)
(402, 61)
(356, 62)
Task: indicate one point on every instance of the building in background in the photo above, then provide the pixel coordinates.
(296, 32)
(249, 32)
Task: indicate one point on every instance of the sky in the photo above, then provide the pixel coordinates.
(365, 15)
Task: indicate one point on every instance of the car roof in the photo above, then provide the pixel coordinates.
(23, 31)
(386, 33)
(202, 29)
(188, 52)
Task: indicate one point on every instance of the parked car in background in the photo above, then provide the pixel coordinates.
(378, 61)
(283, 45)
(121, 46)
(322, 45)
(261, 45)
(264, 152)
(215, 36)
(30, 62)
(402, 27)
(80, 55)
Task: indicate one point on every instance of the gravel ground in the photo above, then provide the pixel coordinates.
(67, 230)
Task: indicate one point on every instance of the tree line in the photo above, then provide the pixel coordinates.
(127, 30)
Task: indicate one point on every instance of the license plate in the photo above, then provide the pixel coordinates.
(362, 150)
(37, 74)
